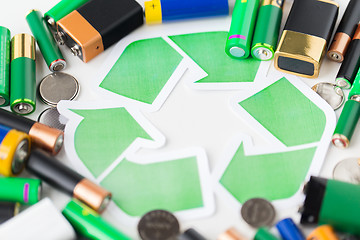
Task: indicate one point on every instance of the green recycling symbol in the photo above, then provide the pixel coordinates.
(106, 139)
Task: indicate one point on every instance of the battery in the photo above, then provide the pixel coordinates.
(158, 11)
(23, 74)
(191, 234)
(60, 10)
(22, 190)
(238, 42)
(89, 223)
(8, 210)
(4, 66)
(305, 37)
(332, 202)
(346, 124)
(14, 151)
(351, 63)
(67, 180)
(264, 234)
(97, 25)
(324, 232)
(231, 234)
(345, 32)
(267, 29)
(288, 230)
(50, 139)
(355, 89)
(45, 40)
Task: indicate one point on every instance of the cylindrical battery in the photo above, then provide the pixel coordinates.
(45, 40)
(60, 10)
(346, 124)
(23, 74)
(14, 151)
(241, 31)
(355, 88)
(264, 234)
(351, 63)
(324, 232)
(231, 234)
(191, 234)
(67, 180)
(48, 138)
(4, 66)
(332, 202)
(8, 210)
(267, 29)
(157, 11)
(22, 190)
(288, 230)
(345, 31)
(89, 224)
(306, 34)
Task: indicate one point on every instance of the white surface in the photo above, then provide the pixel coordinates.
(188, 118)
(41, 221)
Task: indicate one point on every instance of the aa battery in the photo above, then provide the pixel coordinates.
(22, 190)
(4, 66)
(346, 124)
(50, 139)
(23, 74)
(191, 234)
(67, 180)
(332, 202)
(88, 32)
(306, 35)
(324, 232)
(8, 210)
(60, 10)
(345, 31)
(231, 234)
(355, 89)
(264, 234)
(158, 11)
(14, 151)
(351, 63)
(45, 40)
(89, 224)
(288, 230)
(241, 31)
(267, 29)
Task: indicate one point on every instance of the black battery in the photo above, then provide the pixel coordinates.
(97, 25)
(306, 35)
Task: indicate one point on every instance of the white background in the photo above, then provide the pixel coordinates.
(188, 118)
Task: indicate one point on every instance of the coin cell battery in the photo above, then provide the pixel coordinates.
(56, 87)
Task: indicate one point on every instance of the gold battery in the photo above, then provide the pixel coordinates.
(23, 45)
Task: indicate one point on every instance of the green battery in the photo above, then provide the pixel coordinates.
(241, 31)
(4, 66)
(332, 202)
(355, 88)
(45, 40)
(22, 190)
(346, 124)
(267, 29)
(264, 234)
(62, 9)
(23, 74)
(89, 224)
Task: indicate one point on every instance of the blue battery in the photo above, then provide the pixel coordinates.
(288, 230)
(3, 132)
(157, 11)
